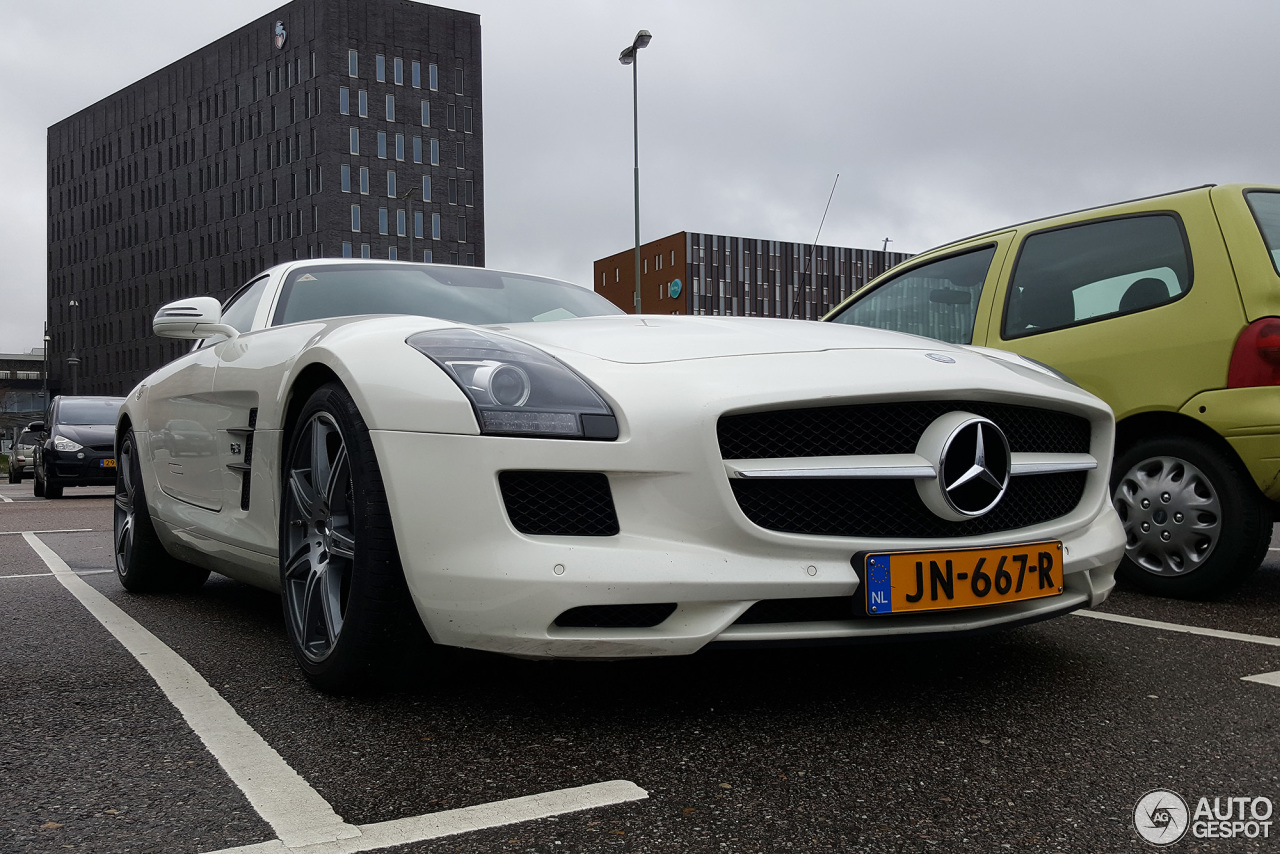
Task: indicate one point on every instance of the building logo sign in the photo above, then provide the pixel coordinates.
(280, 35)
(675, 288)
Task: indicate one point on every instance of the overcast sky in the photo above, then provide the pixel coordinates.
(942, 118)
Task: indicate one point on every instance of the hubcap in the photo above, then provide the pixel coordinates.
(1171, 513)
(124, 509)
(319, 542)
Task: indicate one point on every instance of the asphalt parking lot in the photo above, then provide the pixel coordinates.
(179, 723)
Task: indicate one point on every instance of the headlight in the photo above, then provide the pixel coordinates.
(62, 443)
(517, 389)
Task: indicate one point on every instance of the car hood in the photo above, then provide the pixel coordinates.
(651, 339)
(87, 434)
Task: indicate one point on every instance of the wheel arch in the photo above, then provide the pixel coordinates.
(1147, 424)
(310, 378)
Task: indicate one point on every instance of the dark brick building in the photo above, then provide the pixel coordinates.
(325, 128)
(694, 273)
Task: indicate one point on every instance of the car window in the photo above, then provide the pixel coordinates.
(938, 299)
(88, 411)
(1266, 211)
(1096, 270)
(461, 294)
(27, 439)
(240, 309)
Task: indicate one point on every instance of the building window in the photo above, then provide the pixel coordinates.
(391, 108)
(417, 224)
(353, 64)
(362, 104)
(458, 79)
(426, 256)
(471, 194)
(462, 229)
(466, 120)
(355, 217)
(399, 146)
(426, 114)
(346, 249)
(426, 188)
(461, 154)
(364, 250)
(415, 74)
(435, 223)
(435, 152)
(364, 180)
(382, 220)
(391, 184)
(382, 144)
(393, 254)
(346, 177)
(433, 77)
(399, 71)
(400, 223)
(451, 117)
(453, 191)
(344, 101)
(380, 68)
(417, 149)
(355, 140)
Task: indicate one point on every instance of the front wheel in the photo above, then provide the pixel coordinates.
(52, 489)
(1195, 523)
(347, 608)
(15, 476)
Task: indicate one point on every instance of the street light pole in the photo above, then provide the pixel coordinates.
(44, 379)
(629, 56)
(73, 361)
(408, 201)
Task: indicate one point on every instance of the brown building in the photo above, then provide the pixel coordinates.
(693, 273)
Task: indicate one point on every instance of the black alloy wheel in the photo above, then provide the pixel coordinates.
(348, 611)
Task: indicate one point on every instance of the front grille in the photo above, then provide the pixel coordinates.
(105, 448)
(644, 616)
(892, 508)
(559, 503)
(888, 428)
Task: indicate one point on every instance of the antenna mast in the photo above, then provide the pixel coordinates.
(804, 276)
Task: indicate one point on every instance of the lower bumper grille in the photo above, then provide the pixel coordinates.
(559, 503)
(644, 616)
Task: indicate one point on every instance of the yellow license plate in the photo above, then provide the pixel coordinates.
(107, 464)
(907, 582)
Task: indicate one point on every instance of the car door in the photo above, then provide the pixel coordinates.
(1128, 304)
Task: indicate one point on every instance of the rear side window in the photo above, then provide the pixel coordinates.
(1266, 211)
(937, 300)
(1097, 270)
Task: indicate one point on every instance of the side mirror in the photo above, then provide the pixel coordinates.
(196, 317)
(35, 426)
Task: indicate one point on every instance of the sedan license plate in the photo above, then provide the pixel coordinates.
(107, 464)
(906, 582)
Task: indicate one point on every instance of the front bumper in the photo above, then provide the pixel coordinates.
(478, 583)
(85, 467)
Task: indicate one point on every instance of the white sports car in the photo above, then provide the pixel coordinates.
(515, 465)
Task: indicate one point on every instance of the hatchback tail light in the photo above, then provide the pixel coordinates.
(1256, 358)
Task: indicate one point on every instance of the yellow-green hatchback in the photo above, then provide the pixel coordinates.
(1168, 308)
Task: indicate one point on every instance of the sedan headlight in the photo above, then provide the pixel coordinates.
(62, 443)
(517, 389)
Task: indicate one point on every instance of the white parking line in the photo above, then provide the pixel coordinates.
(299, 816)
(1264, 678)
(52, 531)
(51, 575)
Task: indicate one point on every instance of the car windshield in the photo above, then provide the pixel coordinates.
(89, 411)
(461, 294)
(938, 299)
(1266, 210)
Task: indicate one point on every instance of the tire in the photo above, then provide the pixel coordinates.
(347, 609)
(37, 483)
(52, 489)
(14, 477)
(1207, 526)
(142, 564)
